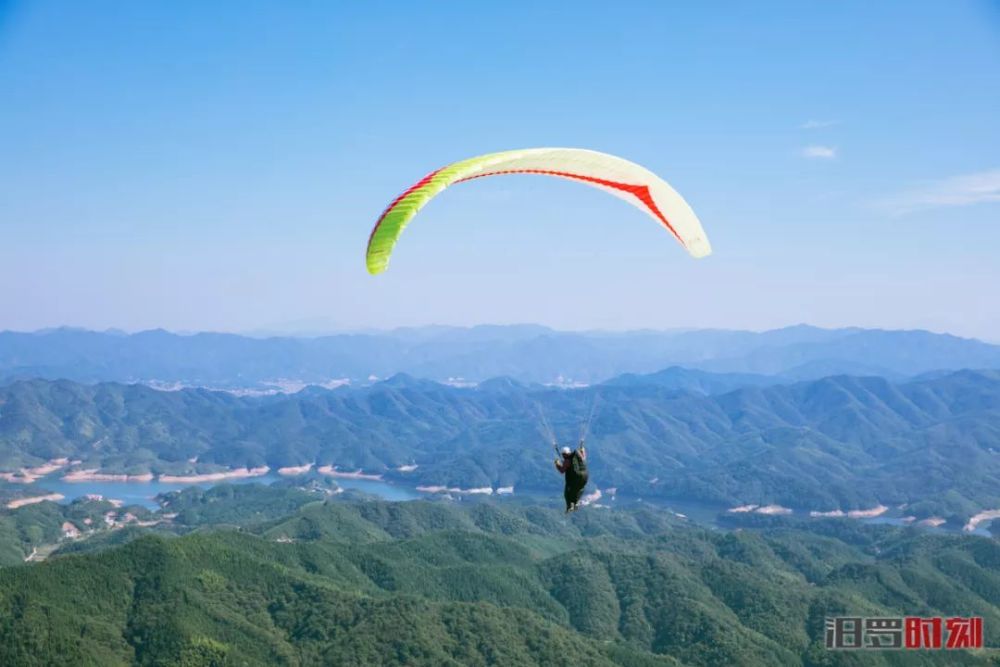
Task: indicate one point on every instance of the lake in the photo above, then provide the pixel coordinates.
(144, 493)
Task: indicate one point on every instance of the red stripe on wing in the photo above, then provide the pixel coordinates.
(416, 186)
(640, 192)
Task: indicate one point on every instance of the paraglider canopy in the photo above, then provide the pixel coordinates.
(626, 180)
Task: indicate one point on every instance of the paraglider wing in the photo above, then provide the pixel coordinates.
(626, 180)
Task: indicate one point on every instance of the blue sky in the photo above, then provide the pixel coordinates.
(218, 166)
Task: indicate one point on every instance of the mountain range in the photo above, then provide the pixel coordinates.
(840, 442)
(528, 353)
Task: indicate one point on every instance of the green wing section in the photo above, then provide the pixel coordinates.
(399, 213)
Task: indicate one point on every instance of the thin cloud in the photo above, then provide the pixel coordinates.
(818, 124)
(820, 152)
(965, 190)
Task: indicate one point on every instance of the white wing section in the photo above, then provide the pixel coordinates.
(626, 180)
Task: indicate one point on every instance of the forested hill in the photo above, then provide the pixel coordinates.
(370, 583)
(528, 353)
(836, 443)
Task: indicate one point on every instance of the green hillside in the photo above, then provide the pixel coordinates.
(425, 583)
(39, 527)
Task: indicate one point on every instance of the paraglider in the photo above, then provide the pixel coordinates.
(617, 176)
(626, 180)
(572, 463)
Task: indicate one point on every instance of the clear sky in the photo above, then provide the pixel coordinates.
(218, 165)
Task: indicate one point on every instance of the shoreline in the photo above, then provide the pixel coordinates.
(331, 471)
(780, 510)
(984, 516)
(24, 502)
(292, 471)
(771, 510)
(32, 475)
(95, 475)
(485, 490)
(238, 473)
(870, 513)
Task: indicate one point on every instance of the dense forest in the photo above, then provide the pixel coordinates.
(364, 582)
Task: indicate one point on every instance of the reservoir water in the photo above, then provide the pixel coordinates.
(144, 493)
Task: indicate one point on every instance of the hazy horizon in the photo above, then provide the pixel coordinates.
(305, 332)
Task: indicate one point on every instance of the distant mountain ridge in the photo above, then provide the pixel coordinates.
(527, 353)
(696, 381)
